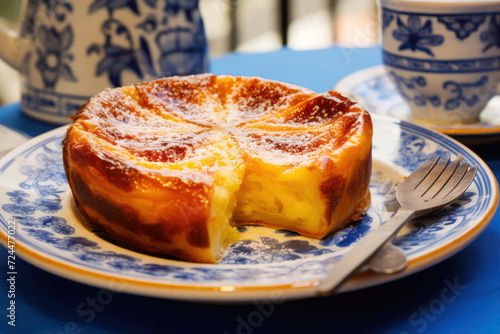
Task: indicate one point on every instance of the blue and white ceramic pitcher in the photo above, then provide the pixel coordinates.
(68, 50)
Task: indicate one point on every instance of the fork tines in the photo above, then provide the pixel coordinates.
(438, 178)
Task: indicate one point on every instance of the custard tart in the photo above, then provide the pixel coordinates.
(172, 166)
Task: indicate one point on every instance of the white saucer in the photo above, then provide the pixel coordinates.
(373, 89)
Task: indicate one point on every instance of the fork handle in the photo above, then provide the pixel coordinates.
(362, 252)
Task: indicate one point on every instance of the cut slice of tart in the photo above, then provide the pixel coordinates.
(312, 179)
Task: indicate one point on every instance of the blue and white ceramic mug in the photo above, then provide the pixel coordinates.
(68, 50)
(443, 56)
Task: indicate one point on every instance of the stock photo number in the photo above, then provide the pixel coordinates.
(11, 272)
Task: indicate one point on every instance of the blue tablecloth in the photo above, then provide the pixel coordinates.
(48, 303)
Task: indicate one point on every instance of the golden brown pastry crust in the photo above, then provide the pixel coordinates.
(141, 161)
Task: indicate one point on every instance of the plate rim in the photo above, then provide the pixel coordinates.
(465, 131)
(230, 293)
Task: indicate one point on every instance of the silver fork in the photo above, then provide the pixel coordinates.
(431, 186)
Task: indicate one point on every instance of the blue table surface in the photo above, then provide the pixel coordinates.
(417, 304)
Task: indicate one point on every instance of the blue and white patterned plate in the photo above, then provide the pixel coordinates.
(49, 233)
(374, 90)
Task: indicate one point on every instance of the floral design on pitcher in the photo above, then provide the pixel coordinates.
(36, 17)
(112, 5)
(175, 29)
(180, 52)
(491, 36)
(118, 51)
(183, 49)
(53, 42)
(116, 57)
(58, 8)
(415, 36)
(176, 6)
(53, 57)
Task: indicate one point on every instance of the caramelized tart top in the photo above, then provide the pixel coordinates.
(173, 124)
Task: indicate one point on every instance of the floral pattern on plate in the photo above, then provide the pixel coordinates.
(34, 193)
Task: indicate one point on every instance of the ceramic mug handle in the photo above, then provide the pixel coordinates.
(9, 48)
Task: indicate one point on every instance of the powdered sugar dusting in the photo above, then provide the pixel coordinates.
(319, 110)
(193, 98)
(247, 99)
(186, 123)
(284, 148)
